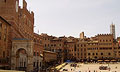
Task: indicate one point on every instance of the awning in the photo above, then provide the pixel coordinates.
(113, 60)
(107, 60)
(100, 60)
(41, 55)
(58, 67)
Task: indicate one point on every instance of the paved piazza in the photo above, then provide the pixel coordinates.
(91, 67)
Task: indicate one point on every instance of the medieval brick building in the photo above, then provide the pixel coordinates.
(4, 40)
(21, 36)
(102, 46)
(23, 49)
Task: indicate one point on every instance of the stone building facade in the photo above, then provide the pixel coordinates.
(22, 54)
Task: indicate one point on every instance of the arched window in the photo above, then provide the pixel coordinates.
(40, 64)
(96, 53)
(101, 53)
(16, 6)
(34, 54)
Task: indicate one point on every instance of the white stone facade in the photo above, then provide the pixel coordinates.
(22, 60)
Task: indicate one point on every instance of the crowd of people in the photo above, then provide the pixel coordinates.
(74, 67)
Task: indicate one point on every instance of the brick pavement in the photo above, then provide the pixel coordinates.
(91, 67)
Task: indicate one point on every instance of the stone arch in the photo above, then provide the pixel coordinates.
(22, 49)
(21, 59)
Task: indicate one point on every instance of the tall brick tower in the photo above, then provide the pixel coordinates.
(21, 19)
(82, 35)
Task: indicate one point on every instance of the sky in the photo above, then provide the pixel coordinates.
(71, 17)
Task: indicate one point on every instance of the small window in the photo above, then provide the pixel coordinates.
(101, 53)
(4, 37)
(106, 40)
(81, 54)
(84, 45)
(85, 54)
(34, 64)
(45, 45)
(37, 54)
(75, 54)
(40, 64)
(109, 53)
(81, 45)
(37, 64)
(59, 44)
(4, 54)
(34, 54)
(5, 0)
(81, 49)
(51, 45)
(119, 52)
(24, 64)
(88, 53)
(45, 38)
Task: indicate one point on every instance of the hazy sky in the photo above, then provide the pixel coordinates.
(70, 17)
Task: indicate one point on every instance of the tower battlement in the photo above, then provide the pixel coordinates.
(104, 34)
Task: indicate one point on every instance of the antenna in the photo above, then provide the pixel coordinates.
(38, 31)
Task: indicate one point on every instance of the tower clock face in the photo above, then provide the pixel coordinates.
(16, 6)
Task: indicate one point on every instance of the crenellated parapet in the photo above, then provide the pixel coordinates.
(104, 35)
